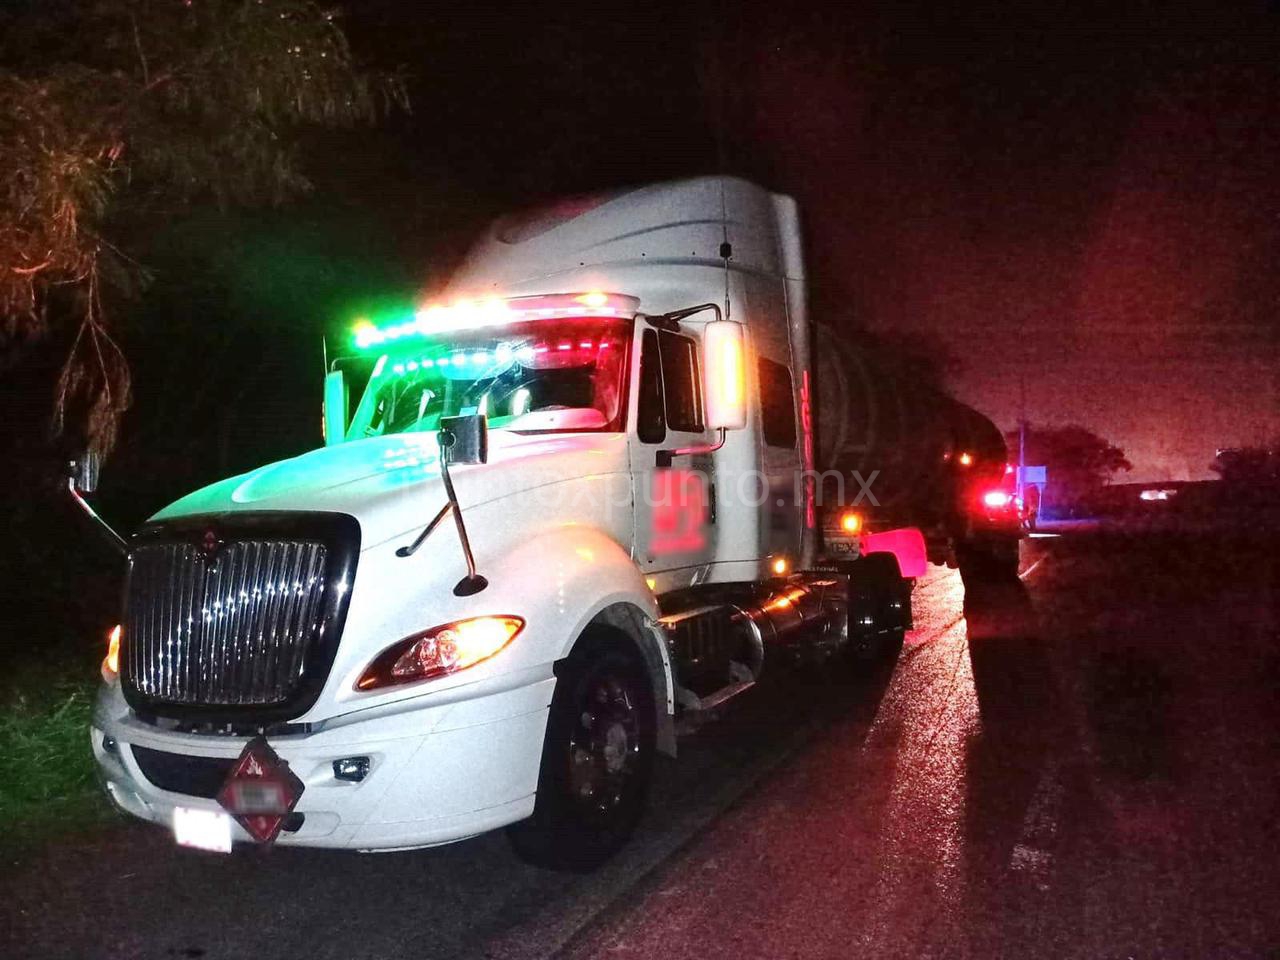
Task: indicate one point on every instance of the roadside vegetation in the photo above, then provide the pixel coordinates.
(47, 785)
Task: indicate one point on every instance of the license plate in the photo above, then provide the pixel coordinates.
(202, 829)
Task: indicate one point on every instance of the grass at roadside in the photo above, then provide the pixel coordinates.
(47, 785)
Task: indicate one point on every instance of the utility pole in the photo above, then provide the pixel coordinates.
(1022, 438)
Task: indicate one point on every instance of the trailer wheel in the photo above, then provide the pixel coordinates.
(597, 759)
(991, 561)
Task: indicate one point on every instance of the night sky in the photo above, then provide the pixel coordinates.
(1088, 211)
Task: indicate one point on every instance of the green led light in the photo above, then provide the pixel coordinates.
(366, 335)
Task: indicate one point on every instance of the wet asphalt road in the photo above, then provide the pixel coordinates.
(1082, 763)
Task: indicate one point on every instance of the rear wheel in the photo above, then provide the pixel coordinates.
(879, 608)
(988, 560)
(597, 759)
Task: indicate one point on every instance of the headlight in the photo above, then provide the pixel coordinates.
(441, 650)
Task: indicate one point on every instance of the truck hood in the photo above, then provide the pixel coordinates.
(392, 484)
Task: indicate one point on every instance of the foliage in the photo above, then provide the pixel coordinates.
(1249, 465)
(45, 765)
(1078, 460)
(116, 112)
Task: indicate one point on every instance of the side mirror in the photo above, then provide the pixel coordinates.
(725, 374)
(335, 407)
(465, 439)
(84, 472)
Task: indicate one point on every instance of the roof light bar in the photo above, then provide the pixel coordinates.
(469, 315)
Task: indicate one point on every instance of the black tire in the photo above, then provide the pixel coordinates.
(875, 585)
(991, 561)
(597, 758)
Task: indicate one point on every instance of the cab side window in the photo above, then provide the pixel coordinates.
(777, 404)
(651, 421)
(681, 382)
(670, 386)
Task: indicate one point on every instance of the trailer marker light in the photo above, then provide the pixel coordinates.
(780, 566)
(850, 522)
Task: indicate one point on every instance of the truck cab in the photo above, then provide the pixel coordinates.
(574, 498)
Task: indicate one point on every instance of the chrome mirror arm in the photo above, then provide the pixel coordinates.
(114, 538)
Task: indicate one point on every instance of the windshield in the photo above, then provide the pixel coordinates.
(535, 375)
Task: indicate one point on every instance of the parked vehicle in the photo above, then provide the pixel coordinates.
(577, 497)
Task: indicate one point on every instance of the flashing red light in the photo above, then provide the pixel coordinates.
(996, 499)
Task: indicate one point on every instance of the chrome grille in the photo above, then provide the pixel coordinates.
(231, 629)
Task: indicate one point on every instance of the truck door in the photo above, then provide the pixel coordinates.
(673, 505)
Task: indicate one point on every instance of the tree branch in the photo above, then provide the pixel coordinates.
(142, 57)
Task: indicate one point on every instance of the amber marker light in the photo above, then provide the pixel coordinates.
(111, 662)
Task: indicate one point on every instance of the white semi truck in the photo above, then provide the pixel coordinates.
(575, 499)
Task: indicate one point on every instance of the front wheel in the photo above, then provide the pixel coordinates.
(597, 759)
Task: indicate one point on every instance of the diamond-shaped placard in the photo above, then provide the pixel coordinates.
(260, 791)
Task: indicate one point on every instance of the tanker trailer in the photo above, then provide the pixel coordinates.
(900, 453)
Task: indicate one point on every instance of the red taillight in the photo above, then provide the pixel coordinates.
(996, 499)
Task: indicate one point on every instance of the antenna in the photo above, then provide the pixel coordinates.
(726, 248)
(717, 69)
